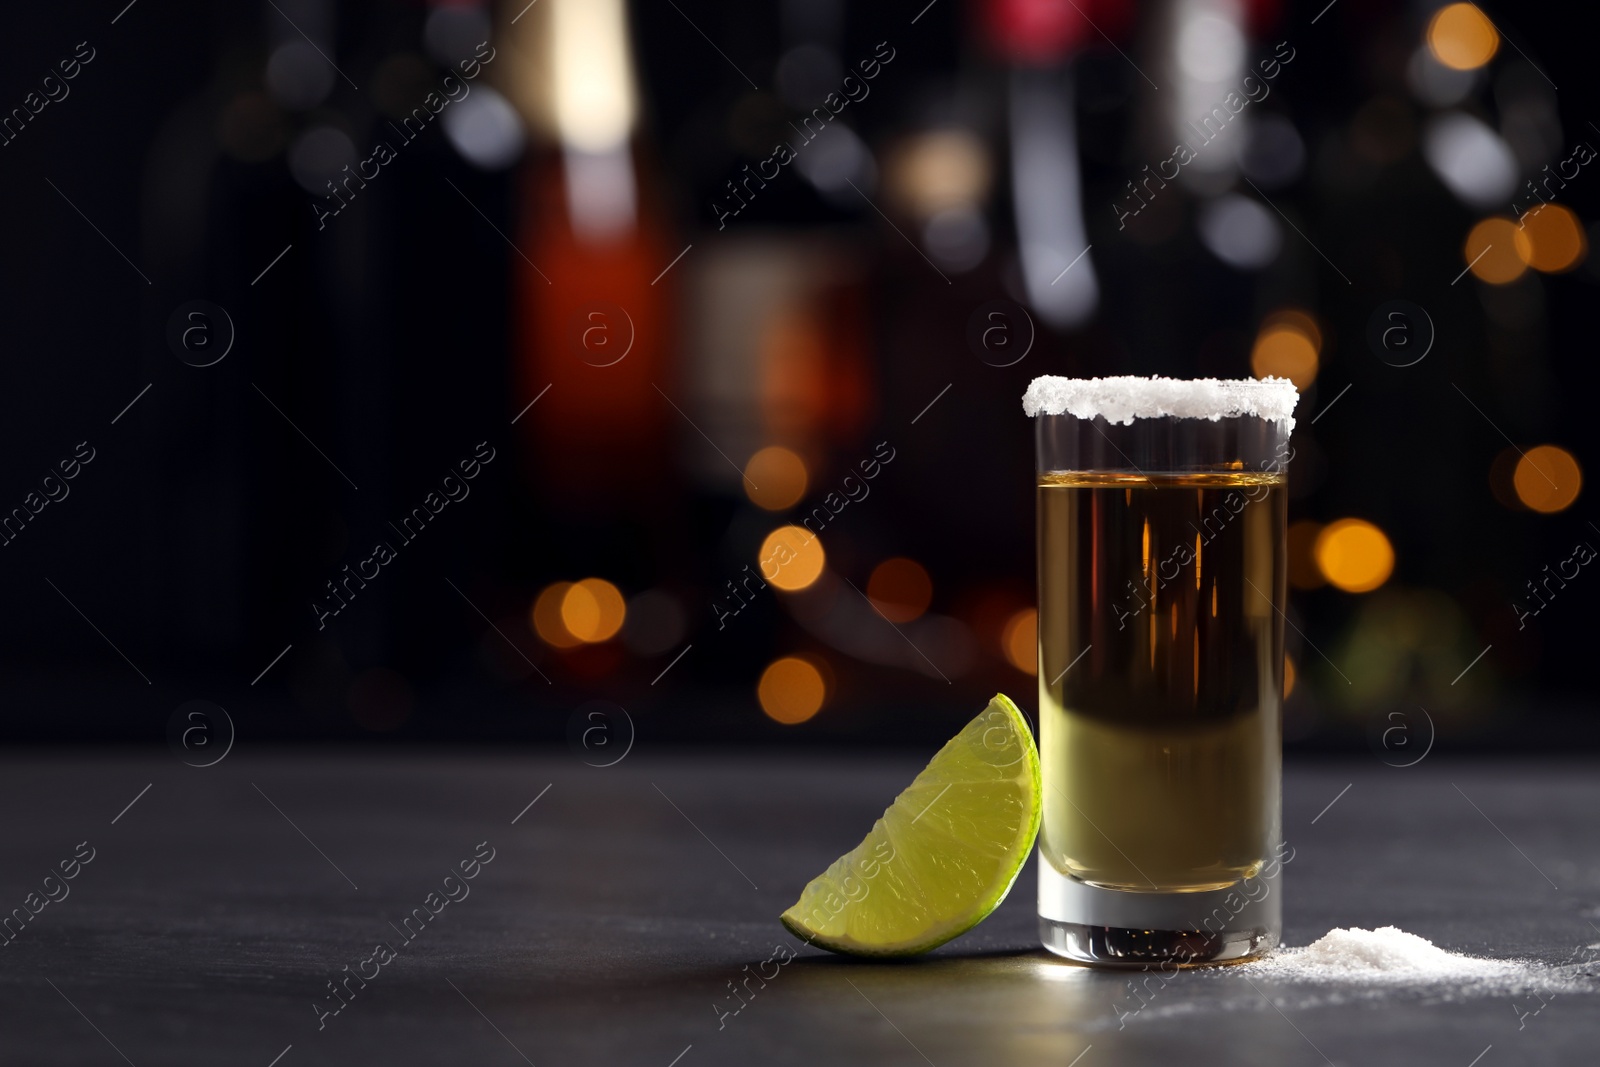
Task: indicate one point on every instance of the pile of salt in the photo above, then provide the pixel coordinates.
(1385, 956)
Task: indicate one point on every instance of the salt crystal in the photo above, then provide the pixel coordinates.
(1386, 956)
(1125, 398)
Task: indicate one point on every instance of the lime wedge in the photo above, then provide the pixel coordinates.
(943, 856)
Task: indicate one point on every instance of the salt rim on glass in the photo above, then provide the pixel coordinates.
(1122, 399)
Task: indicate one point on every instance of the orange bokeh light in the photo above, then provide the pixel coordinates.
(900, 588)
(1354, 555)
(791, 690)
(1491, 252)
(593, 610)
(1547, 479)
(546, 615)
(1550, 239)
(791, 558)
(1461, 37)
(1020, 641)
(775, 478)
(1298, 320)
(1285, 349)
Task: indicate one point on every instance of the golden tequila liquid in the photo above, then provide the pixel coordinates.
(1160, 687)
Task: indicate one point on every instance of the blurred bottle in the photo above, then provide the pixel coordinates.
(592, 295)
(1039, 40)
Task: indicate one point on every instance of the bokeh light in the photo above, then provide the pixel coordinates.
(1491, 251)
(485, 129)
(791, 690)
(791, 558)
(1296, 319)
(775, 478)
(1471, 158)
(900, 588)
(593, 610)
(1288, 676)
(1287, 347)
(1020, 641)
(939, 170)
(1551, 239)
(546, 616)
(1239, 231)
(1303, 570)
(1462, 37)
(589, 74)
(1547, 479)
(1354, 555)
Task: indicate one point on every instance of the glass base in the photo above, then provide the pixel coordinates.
(1116, 928)
(1114, 946)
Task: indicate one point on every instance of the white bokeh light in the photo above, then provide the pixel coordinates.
(485, 129)
(1240, 232)
(1470, 158)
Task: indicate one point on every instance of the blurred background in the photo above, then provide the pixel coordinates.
(462, 372)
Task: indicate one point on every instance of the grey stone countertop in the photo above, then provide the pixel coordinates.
(205, 920)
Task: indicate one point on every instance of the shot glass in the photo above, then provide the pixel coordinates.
(1161, 568)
